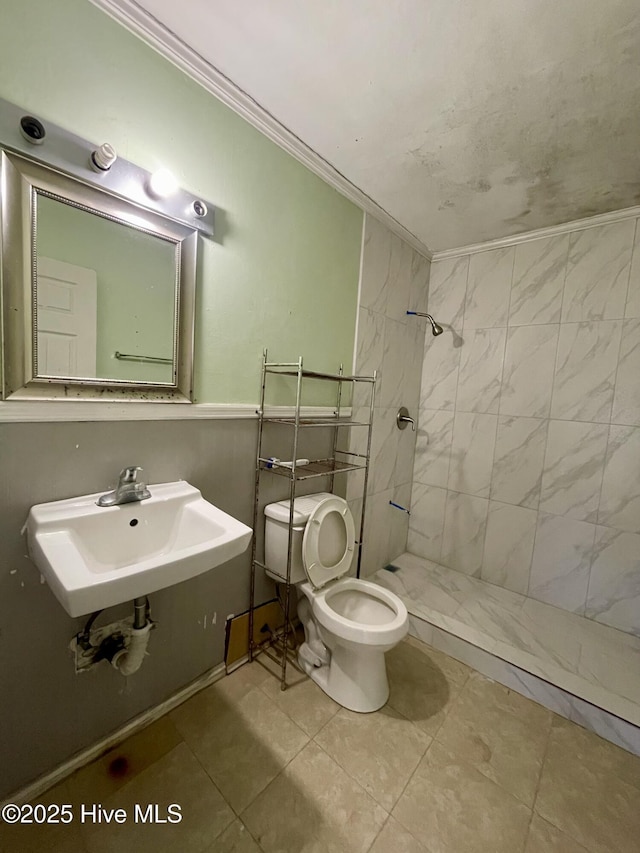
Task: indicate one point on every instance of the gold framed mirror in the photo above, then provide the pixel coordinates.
(98, 292)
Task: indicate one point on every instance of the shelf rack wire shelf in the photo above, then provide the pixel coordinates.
(340, 462)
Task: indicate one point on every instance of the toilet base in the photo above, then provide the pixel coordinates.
(356, 680)
(353, 675)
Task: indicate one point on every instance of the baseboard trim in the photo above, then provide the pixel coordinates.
(80, 759)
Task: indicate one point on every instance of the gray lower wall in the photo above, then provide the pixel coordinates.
(48, 711)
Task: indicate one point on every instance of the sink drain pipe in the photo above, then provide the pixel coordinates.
(129, 660)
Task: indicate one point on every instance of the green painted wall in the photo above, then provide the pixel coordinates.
(282, 271)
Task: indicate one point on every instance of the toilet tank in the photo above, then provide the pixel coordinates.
(276, 536)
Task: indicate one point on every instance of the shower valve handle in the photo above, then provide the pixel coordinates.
(402, 419)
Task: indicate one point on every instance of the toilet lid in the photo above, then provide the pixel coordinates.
(328, 542)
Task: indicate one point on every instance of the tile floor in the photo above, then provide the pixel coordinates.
(453, 763)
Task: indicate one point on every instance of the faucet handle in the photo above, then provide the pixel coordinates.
(402, 419)
(129, 474)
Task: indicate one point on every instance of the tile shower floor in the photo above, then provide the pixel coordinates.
(453, 763)
(591, 660)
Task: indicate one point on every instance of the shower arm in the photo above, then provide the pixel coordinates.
(436, 328)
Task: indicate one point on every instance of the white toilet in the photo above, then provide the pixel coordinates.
(349, 624)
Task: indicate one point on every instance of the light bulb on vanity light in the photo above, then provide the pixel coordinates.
(162, 184)
(103, 158)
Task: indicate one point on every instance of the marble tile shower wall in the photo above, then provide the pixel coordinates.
(527, 464)
(395, 279)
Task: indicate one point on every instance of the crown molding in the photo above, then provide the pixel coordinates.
(148, 28)
(551, 231)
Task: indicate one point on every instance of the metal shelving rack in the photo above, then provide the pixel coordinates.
(340, 462)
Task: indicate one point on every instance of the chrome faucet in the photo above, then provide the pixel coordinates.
(127, 490)
(402, 419)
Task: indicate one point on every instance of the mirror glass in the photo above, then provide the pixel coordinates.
(105, 295)
(98, 292)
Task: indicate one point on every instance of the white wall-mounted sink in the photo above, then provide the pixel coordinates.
(94, 557)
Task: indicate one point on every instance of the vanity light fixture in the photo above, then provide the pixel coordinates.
(32, 130)
(99, 166)
(199, 208)
(162, 184)
(103, 158)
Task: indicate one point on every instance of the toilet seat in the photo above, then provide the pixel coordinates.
(389, 630)
(322, 516)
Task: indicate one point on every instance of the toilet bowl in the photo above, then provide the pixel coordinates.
(349, 623)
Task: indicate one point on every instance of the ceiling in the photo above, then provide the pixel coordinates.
(465, 120)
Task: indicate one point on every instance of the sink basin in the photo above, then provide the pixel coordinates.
(93, 557)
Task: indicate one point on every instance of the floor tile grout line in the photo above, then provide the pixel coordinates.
(325, 724)
(235, 813)
(501, 711)
(408, 720)
(255, 840)
(208, 775)
(353, 779)
(537, 791)
(386, 821)
(290, 716)
(464, 760)
(278, 774)
(277, 706)
(450, 709)
(544, 761)
(238, 814)
(434, 735)
(534, 812)
(402, 793)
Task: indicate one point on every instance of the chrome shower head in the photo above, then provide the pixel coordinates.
(436, 328)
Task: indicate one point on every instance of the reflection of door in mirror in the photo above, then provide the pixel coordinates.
(136, 294)
(98, 292)
(66, 302)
